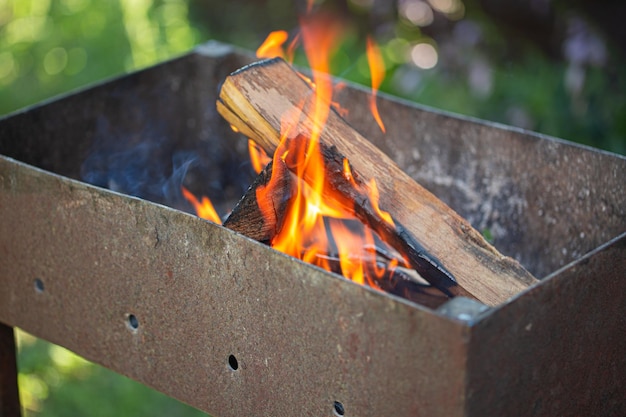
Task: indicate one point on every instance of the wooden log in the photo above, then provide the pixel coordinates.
(402, 282)
(350, 192)
(255, 99)
(248, 219)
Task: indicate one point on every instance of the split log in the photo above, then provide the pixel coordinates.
(404, 283)
(256, 98)
(352, 194)
(248, 219)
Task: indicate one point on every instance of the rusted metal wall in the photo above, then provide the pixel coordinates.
(77, 261)
(558, 350)
(546, 202)
(302, 338)
(166, 109)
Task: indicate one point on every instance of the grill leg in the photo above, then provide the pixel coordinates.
(9, 395)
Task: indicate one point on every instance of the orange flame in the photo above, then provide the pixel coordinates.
(258, 157)
(347, 172)
(319, 34)
(377, 71)
(342, 111)
(317, 217)
(373, 195)
(272, 47)
(204, 208)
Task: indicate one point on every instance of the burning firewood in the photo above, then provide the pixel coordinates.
(248, 219)
(342, 184)
(453, 256)
(403, 282)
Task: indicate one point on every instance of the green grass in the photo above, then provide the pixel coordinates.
(56, 382)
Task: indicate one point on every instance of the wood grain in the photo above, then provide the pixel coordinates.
(255, 99)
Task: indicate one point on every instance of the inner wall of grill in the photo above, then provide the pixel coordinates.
(144, 134)
(545, 202)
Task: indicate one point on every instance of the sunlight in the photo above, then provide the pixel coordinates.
(141, 32)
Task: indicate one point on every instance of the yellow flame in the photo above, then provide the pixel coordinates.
(316, 215)
(204, 209)
(258, 157)
(272, 47)
(377, 71)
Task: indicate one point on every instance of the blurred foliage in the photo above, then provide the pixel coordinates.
(49, 47)
(55, 382)
(541, 65)
(492, 66)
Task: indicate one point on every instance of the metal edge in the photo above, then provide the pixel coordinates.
(557, 349)
(303, 338)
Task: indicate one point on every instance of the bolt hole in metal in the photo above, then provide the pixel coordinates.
(132, 322)
(39, 287)
(338, 409)
(233, 364)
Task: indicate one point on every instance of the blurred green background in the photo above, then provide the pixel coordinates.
(54, 382)
(556, 67)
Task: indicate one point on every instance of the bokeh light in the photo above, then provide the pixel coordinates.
(55, 61)
(417, 12)
(454, 9)
(424, 55)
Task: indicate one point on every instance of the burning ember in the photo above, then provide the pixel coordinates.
(319, 225)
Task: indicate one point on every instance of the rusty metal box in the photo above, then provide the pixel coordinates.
(235, 328)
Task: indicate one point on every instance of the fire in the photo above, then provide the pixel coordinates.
(320, 226)
(258, 157)
(204, 208)
(272, 47)
(373, 194)
(377, 71)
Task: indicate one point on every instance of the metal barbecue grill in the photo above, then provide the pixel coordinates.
(235, 328)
